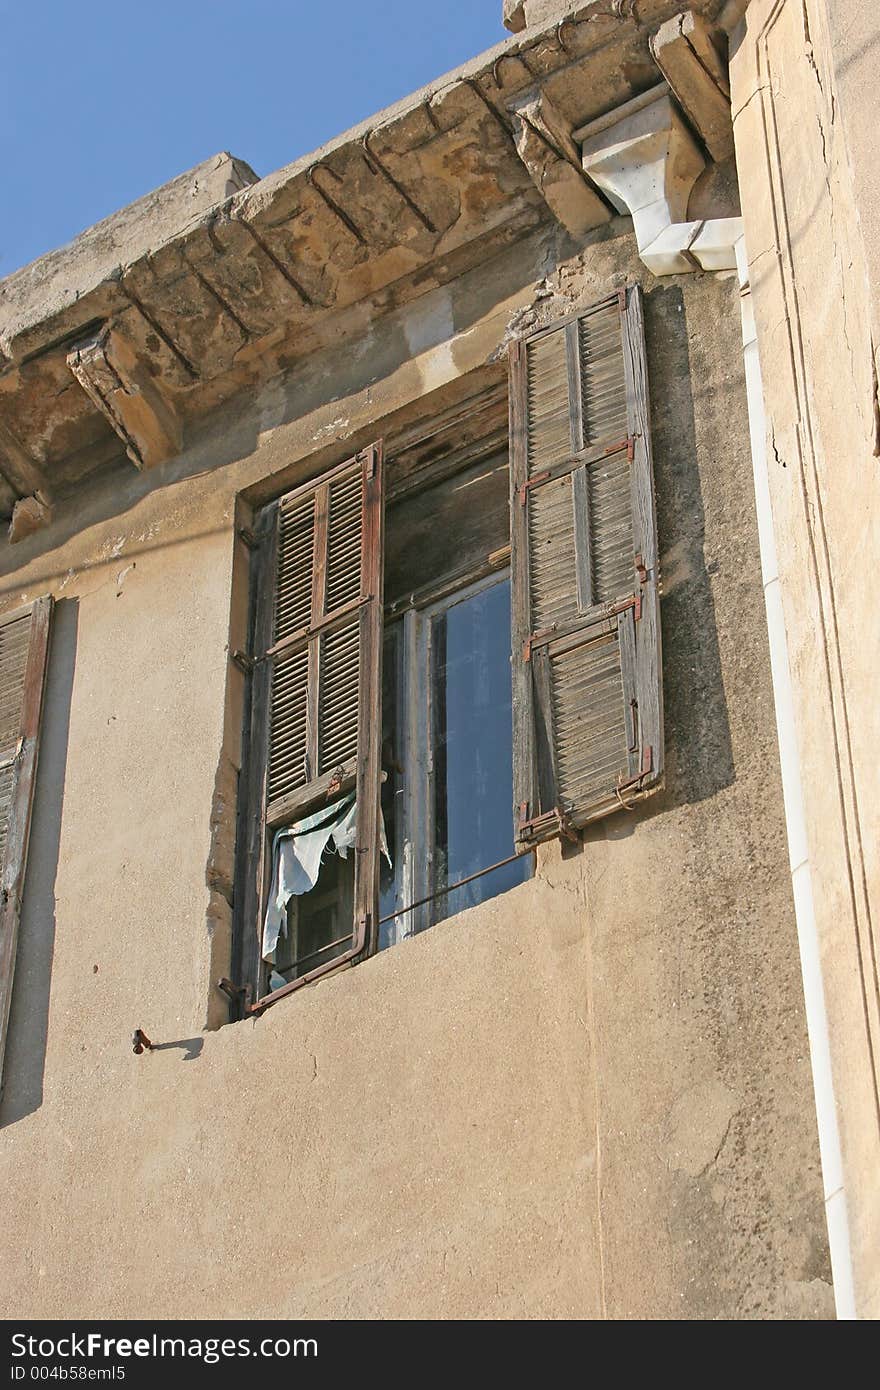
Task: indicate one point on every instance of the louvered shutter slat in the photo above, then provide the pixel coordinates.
(14, 643)
(318, 675)
(24, 643)
(7, 780)
(587, 698)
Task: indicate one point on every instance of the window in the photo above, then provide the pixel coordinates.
(24, 644)
(469, 628)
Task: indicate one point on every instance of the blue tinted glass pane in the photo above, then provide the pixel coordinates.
(473, 749)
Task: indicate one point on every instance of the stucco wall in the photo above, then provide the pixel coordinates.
(804, 123)
(590, 1097)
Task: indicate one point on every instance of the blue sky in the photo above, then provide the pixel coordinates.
(104, 101)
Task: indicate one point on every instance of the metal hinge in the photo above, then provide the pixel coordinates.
(232, 990)
(558, 817)
(535, 637)
(635, 783)
(244, 662)
(523, 489)
(248, 538)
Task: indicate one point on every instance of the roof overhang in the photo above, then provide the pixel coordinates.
(115, 344)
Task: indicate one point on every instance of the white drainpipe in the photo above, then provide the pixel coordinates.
(798, 850)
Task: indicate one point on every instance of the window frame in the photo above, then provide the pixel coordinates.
(418, 753)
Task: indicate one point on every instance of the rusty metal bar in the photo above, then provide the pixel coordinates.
(450, 888)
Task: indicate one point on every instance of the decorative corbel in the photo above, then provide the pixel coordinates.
(645, 160)
(107, 368)
(545, 146)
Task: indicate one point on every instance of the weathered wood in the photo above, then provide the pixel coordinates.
(369, 756)
(251, 839)
(21, 803)
(575, 394)
(585, 653)
(311, 797)
(319, 596)
(363, 771)
(450, 527)
(545, 742)
(583, 547)
(525, 789)
(626, 637)
(648, 639)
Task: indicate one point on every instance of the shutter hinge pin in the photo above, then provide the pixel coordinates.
(244, 662)
(232, 990)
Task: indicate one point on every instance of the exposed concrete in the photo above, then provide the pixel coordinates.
(589, 1097)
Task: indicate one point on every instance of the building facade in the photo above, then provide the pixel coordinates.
(427, 892)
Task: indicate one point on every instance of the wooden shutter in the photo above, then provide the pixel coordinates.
(316, 702)
(24, 644)
(588, 720)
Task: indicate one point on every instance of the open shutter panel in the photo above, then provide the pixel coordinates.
(24, 642)
(588, 727)
(324, 640)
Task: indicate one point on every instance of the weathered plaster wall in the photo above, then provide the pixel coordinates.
(804, 124)
(590, 1097)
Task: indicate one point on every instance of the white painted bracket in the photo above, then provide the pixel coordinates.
(646, 162)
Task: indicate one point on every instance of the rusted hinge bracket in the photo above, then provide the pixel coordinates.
(635, 783)
(523, 490)
(369, 454)
(233, 991)
(244, 662)
(534, 638)
(641, 569)
(558, 818)
(248, 538)
(629, 444)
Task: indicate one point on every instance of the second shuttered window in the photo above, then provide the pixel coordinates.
(482, 639)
